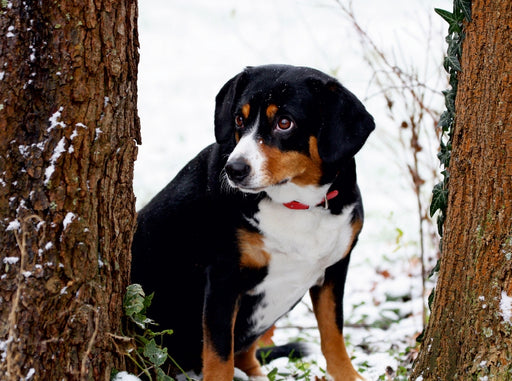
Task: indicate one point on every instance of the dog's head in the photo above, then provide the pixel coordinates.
(287, 124)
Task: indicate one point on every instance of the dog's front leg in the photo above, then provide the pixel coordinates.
(219, 315)
(328, 306)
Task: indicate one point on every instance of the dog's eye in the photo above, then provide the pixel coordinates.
(284, 124)
(239, 121)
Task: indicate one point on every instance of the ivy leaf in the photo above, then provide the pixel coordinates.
(156, 354)
(133, 302)
(439, 198)
(451, 19)
(445, 120)
(161, 376)
(447, 16)
(465, 7)
(147, 300)
(444, 155)
(431, 298)
(449, 100)
(435, 269)
(453, 62)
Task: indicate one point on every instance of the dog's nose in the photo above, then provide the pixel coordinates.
(238, 170)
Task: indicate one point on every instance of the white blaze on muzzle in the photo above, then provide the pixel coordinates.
(247, 151)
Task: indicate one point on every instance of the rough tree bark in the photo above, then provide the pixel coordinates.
(68, 134)
(469, 335)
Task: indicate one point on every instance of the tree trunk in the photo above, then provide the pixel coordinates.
(68, 134)
(469, 335)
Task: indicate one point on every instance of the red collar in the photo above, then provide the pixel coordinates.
(300, 206)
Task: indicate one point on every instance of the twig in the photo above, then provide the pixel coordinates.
(83, 370)
(12, 320)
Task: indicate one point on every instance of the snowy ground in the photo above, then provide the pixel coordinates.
(190, 48)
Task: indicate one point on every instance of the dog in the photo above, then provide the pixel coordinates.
(269, 212)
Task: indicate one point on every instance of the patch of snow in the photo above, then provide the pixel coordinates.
(125, 376)
(9, 32)
(24, 150)
(506, 307)
(30, 374)
(98, 133)
(27, 274)
(54, 120)
(56, 154)
(11, 260)
(68, 219)
(3, 348)
(39, 225)
(13, 225)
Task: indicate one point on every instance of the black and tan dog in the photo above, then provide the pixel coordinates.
(268, 212)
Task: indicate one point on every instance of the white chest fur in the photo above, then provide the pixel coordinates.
(302, 244)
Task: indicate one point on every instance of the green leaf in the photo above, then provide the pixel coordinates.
(465, 7)
(431, 298)
(147, 300)
(444, 154)
(445, 120)
(140, 319)
(156, 354)
(435, 269)
(454, 20)
(272, 374)
(447, 16)
(439, 198)
(449, 100)
(133, 302)
(452, 61)
(161, 376)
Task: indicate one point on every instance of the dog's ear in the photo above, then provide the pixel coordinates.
(345, 123)
(224, 103)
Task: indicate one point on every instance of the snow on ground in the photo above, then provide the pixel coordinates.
(190, 48)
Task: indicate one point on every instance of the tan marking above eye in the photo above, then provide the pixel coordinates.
(246, 109)
(271, 111)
